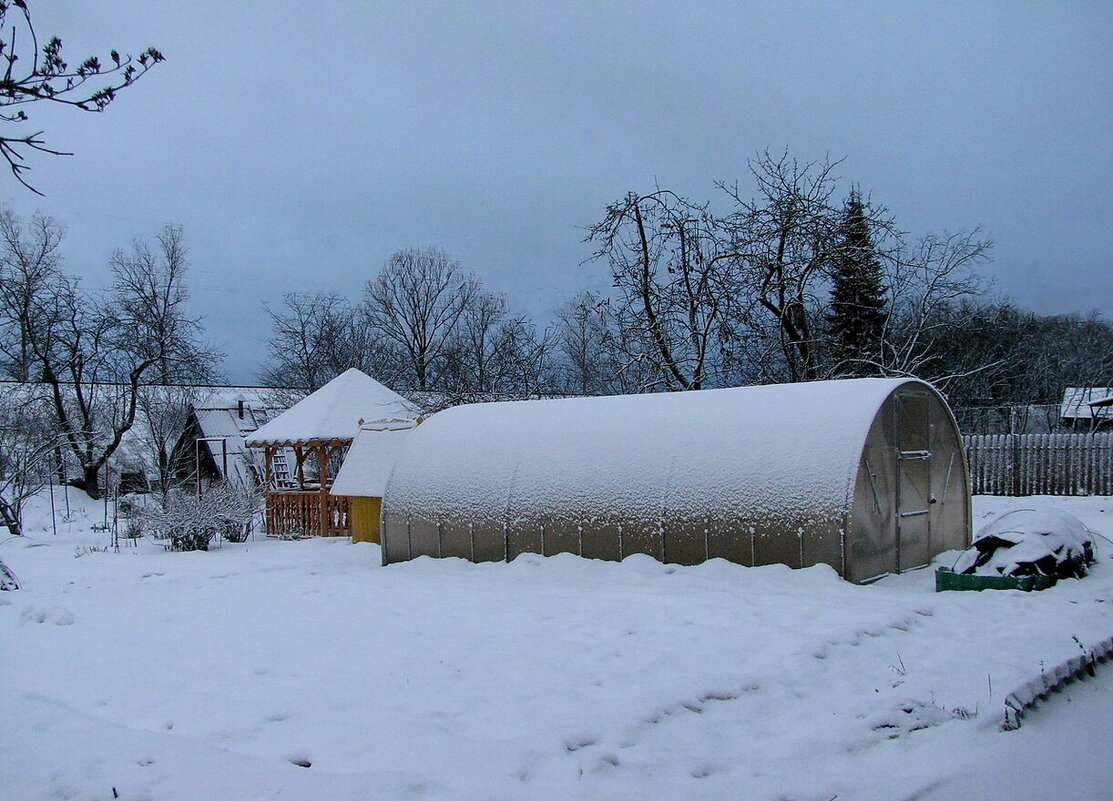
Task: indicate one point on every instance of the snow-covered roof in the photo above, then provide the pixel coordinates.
(372, 456)
(334, 412)
(224, 422)
(1087, 403)
(764, 449)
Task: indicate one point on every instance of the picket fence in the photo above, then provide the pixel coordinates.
(1040, 464)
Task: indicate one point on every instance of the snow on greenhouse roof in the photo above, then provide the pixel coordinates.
(334, 412)
(776, 447)
(372, 456)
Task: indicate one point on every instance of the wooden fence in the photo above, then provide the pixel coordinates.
(299, 513)
(1040, 464)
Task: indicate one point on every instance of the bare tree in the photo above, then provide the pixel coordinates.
(415, 304)
(674, 276)
(314, 338)
(33, 75)
(789, 238)
(582, 338)
(471, 359)
(93, 355)
(926, 282)
(523, 359)
(27, 443)
(596, 354)
(151, 297)
(29, 265)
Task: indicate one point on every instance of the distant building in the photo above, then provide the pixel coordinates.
(1087, 408)
(211, 446)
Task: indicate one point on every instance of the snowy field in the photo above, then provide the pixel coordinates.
(305, 670)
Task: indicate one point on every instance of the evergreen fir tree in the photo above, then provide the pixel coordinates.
(857, 317)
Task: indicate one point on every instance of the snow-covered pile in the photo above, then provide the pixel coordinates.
(7, 578)
(1030, 542)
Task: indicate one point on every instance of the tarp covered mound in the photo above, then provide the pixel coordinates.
(1030, 542)
(778, 452)
(334, 412)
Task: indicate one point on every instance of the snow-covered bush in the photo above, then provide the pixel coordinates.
(7, 578)
(188, 522)
(1027, 542)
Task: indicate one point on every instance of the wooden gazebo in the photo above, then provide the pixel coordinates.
(316, 433)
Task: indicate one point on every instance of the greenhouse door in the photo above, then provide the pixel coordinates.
(913, 481)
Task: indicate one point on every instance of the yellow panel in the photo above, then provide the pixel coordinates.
(365, 519)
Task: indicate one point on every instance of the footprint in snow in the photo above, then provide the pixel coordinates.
(53, 614)
(574, 744)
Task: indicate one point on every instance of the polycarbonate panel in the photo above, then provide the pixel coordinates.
(456, 540)
(395, 539)
(913, 543)
(871, 547)
(424, 538)
(561, 536)
(524, 536)
(685, 541)
(601, 540)
(730, 540)
(642, 537)
(488, 541)
(950, 484)
(914, 499)
(823, 545)
(913, 421)
(779, 544)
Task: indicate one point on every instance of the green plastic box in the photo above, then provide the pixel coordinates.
(947, 579)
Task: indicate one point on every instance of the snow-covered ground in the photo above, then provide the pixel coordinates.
(305, 670)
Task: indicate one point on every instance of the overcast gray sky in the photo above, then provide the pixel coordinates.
(300, 146)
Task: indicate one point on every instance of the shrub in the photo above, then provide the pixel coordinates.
(188, 522)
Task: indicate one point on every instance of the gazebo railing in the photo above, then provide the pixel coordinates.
(292, 513)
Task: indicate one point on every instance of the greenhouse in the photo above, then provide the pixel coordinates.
(865, 475)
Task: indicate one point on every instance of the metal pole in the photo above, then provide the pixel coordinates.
(53, 518)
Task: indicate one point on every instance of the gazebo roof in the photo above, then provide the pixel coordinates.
(334, 412)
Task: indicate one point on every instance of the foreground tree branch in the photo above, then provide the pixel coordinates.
(41, 75)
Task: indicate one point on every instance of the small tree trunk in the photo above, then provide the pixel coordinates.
(10, 518)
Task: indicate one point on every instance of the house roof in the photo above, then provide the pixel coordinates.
(334, 412)
(1087, 403)
(224, 421)
(371, 458)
